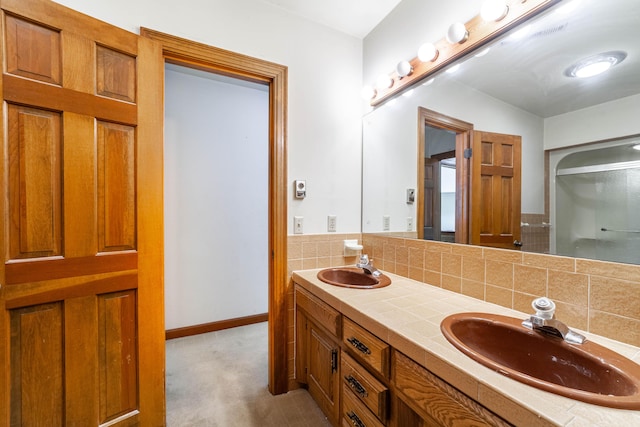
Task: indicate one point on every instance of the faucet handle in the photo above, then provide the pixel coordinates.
(544, 307)
(364, 259)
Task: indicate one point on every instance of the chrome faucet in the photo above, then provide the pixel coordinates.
(544, 321)
(367, 266)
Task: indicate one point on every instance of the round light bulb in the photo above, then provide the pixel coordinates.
(404, 69)
(384, 82)
(427, 52)
(494, 10)
(368, 93)
(457, 33)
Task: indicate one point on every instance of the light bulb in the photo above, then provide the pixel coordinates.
(494, 10)
(384, 82)
(457, 33)
(368, 93)
(427, 52)
(404, 69)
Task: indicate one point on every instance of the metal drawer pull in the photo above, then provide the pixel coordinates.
(355, 420)
(358, 345)
(356, 386)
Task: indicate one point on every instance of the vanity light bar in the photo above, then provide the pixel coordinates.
(479, 32)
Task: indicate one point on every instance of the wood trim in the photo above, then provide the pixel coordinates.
(215, 326)
(150, 225)
(480, 33)
(464, 133)
(208, 58)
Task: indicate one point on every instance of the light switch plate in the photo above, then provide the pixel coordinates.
(298, 223)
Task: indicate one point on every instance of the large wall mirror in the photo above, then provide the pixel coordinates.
(580, 176)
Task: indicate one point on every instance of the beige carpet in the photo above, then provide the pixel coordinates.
(219, 379)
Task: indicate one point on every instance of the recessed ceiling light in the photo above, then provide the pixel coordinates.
(596, 64)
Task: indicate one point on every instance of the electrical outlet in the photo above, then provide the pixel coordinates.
(298, 222)
(332, 223)
(386, 223)
(409, 223)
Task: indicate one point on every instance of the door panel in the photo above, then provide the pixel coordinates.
(495, 186)
(35, 182)
(432, 199)
(81, 295)
(37, 391)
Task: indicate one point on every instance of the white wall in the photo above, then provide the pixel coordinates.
(610, 120)
(390, 137)
(325, 78)
(216, 198)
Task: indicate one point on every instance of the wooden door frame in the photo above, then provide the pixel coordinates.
(464, 133)
(211, 59)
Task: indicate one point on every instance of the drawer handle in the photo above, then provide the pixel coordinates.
(355, 420)
(359, 345)
(356, 386)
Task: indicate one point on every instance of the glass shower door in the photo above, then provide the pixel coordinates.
(618, 216)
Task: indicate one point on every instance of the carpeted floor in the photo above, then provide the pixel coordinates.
(219, 379)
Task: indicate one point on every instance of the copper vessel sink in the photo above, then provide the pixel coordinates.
(589, 372)
(351, 277)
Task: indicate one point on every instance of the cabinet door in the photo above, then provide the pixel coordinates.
(323, 372)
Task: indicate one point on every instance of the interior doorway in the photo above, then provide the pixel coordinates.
(443, 177)
(208, 58)
(216, 201)
(439, 184)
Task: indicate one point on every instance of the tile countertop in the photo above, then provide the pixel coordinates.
(407, 315)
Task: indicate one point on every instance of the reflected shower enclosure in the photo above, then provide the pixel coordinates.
(598, 204)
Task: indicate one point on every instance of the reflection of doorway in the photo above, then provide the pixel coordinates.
(442, 142)
(488, 182)
(439, 184)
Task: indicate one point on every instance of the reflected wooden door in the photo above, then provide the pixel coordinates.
(495, 190)
(81, 197)
(431, 199)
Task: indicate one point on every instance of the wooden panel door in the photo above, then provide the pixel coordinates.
(432, 199)
(81, 296)
(495, 190)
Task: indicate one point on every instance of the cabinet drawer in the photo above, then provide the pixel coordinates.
(370, 349)
(354, 413)
(322, 313)
(436, 399)
(364, 385)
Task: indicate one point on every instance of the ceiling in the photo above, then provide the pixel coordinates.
(354, 17)
(533, 78)
(528, 72)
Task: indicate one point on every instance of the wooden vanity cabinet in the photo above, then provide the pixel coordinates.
(423, 399)
(318, 328)
(357, 379)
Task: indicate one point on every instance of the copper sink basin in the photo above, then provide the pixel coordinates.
(588, 372)
(351, 277)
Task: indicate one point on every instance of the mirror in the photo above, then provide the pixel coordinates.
(518, 86)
